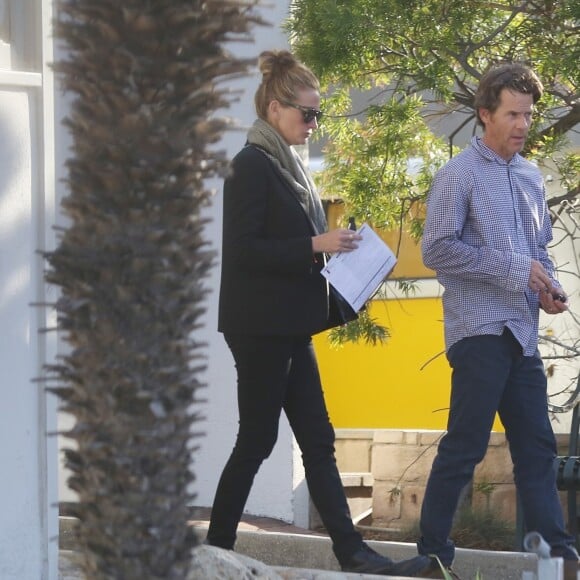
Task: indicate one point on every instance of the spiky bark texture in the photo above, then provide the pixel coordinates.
(132, 263)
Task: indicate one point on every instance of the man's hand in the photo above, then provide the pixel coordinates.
(554, 302)
(539, 280)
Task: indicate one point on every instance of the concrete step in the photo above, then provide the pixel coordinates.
(309, 555)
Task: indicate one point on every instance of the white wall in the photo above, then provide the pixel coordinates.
(28, 522)
(279, 489)
(19, 504)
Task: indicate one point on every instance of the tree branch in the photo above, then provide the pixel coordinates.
(568, 196)
(565, 123)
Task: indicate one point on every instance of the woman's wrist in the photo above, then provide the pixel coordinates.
(315, 249)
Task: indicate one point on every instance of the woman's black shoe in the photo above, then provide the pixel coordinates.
(366, 560)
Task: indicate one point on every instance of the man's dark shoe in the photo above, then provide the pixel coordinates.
(367, 561)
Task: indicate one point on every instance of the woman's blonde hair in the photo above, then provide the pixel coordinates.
(282, 77)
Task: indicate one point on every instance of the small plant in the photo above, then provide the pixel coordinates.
(482, 529)
(447, 575)
(394, 493)
(486, 489)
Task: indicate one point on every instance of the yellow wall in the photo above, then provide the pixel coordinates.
(391, 386)
(385, 387)
(408, 251)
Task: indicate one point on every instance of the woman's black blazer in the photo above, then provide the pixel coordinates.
(270, 280)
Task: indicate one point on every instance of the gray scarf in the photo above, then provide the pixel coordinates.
(290, 166)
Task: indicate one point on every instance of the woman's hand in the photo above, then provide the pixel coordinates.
(339, 240)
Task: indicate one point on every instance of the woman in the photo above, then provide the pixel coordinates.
(272, 300)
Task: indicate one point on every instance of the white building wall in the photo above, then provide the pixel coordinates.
(279, 490)
(28, 522)
(19, 504)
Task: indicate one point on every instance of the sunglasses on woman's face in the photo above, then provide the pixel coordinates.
(308, 113)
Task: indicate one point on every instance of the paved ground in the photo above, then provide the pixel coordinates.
(253, 524)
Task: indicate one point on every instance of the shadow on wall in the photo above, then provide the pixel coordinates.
(17, 236)
(21, 223)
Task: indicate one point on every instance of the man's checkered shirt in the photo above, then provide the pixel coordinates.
(487, 219)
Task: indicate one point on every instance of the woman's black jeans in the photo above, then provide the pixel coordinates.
(276, 373)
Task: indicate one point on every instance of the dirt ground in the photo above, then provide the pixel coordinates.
(483, 531)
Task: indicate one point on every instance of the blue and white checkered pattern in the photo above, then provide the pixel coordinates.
(487, 219)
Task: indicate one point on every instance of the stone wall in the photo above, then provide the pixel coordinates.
(401, 461)
(385, 471)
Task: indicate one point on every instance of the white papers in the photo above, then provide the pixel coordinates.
(358, 274)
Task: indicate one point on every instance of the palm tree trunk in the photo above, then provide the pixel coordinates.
(132, 263)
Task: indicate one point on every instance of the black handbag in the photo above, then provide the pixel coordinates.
(339, 310)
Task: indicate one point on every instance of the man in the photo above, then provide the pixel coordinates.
(486, 234)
